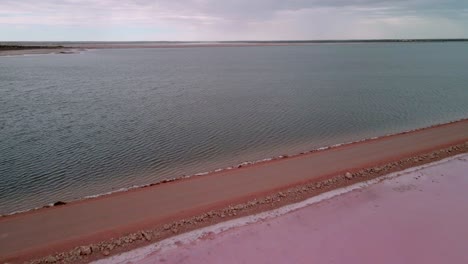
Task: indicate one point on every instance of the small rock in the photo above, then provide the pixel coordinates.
(85, 250)
(60, 256)
(175, 230)
(167, 227)
(147, 236)
(58, 203)
(318, 185)
(348, 175)
(110, 247)
(95, 248)
(50, 259)
(281, 194)
(106, 252)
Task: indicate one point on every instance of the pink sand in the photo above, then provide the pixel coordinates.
(418, 217)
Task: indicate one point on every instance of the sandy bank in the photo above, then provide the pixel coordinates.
(19, 52)
(167, 209)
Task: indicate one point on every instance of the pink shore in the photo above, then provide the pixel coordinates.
(417, 216)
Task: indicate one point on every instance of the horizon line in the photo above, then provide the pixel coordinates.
(251, 41)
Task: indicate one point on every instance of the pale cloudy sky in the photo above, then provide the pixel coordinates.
(231, 20)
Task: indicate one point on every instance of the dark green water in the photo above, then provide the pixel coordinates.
(85, 124)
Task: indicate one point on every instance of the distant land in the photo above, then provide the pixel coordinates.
(12, 48)
(25, 46)
(21, 45)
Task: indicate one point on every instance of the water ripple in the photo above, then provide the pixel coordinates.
(75, 126)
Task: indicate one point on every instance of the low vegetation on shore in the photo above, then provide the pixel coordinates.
(21, 47)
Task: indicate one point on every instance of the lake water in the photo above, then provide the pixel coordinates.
(84, 124)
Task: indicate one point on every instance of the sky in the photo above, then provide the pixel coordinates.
(217, 20)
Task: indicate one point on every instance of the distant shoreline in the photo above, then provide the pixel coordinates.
(18, 50)
(62, 44)
(12, 48)
(23, 47)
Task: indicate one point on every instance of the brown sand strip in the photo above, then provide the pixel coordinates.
(38, 233)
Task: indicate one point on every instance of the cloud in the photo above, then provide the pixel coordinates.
(243, 19)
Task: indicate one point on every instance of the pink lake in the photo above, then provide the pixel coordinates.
(420, 216)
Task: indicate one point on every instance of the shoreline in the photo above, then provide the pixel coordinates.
(395, 152)
(41, 51)
(217, 170)
(16, 49)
